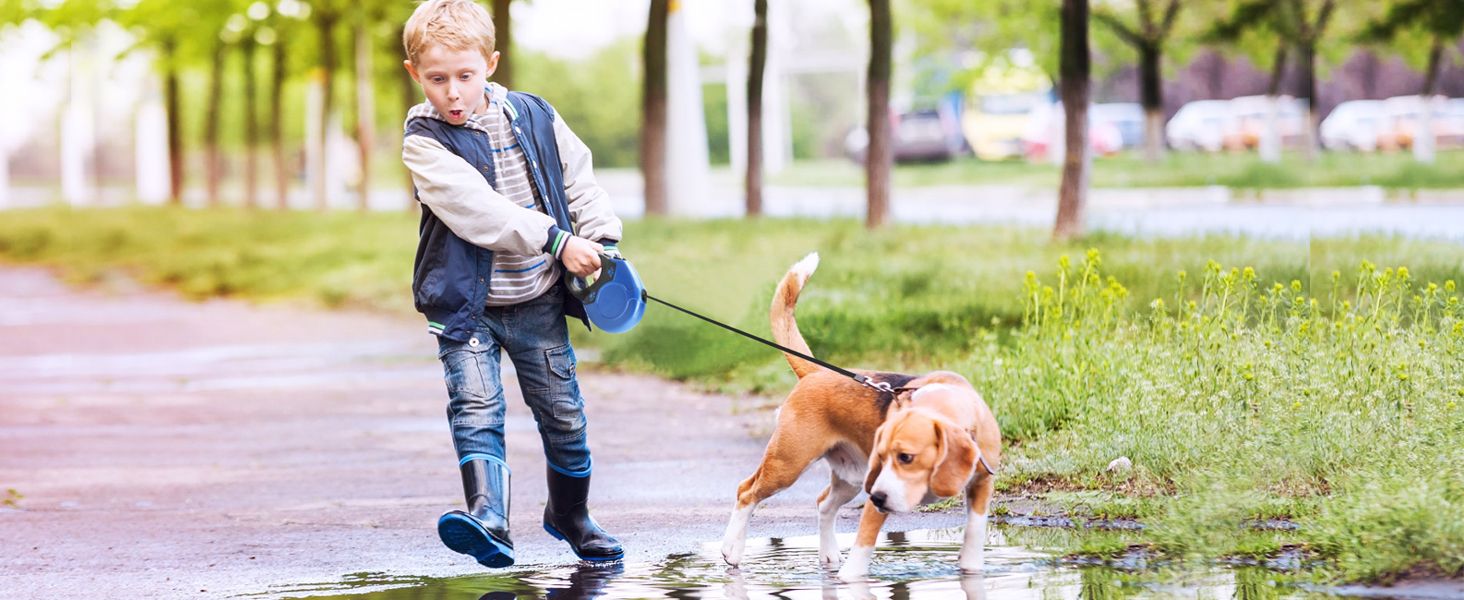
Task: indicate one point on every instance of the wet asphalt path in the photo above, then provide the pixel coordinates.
(168, 449)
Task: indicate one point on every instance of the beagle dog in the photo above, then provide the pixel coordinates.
(935, 439)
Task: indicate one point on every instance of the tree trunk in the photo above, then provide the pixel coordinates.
(175, 109)
(1431, 73)
(1151, 96)
(326, 23)
(1309, 87)
(213, 168)
(879, 156)
(1075, 70)
(251, 125)
(757, 65)
(503, 42)
(1278, 69)
(410, 97)
(653, 110)
(277, 123)
(365, 112)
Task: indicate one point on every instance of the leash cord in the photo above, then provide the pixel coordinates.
(882, 386)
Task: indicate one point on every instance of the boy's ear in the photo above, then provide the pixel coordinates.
(492, 65)
(412, 71)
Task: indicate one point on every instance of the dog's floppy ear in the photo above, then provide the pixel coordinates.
(958, 458)
(876, 457)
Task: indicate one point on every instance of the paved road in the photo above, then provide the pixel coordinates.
(167, 449)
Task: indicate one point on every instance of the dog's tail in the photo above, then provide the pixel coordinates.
(785, 328)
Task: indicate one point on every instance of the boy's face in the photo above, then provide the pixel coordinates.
(453, 80)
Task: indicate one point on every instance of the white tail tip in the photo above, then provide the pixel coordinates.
(807, 266)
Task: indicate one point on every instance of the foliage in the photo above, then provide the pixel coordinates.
(1251, 392)
(597, 96)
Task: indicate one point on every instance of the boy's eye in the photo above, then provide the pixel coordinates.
(436, 80)
(467, 76)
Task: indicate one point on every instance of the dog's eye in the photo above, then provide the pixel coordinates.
(905, 458)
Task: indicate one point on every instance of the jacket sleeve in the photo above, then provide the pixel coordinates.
(459, 195)
(589, 204)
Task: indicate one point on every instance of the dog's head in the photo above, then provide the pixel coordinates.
(918, 453)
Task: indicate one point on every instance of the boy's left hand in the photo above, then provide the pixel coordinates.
(581, 256)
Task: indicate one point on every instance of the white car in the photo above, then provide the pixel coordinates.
(1199, 125)
(1353, 125)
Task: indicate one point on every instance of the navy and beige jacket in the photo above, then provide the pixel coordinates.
(464, 220)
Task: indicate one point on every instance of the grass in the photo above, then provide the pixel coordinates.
(1179, 169)
(1246, 380)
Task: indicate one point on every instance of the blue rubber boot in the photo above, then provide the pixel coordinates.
(481, 531)
(567, 518)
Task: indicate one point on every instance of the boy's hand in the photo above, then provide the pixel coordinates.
(581, 256)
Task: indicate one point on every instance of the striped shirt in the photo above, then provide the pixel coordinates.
(516, 277)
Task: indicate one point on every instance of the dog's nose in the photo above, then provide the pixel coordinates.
(878, 498)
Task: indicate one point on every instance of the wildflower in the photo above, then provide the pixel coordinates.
(1296, 286)
(1449, 286)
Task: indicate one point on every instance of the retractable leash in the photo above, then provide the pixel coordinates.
(616, 301)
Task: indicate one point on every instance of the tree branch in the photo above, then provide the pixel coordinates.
(1118, 27)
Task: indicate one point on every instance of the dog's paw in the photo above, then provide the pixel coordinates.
(853, 572)
(732, 553)
(830, 558)
(971, 564)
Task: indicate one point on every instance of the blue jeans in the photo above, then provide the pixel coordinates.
(536, 337)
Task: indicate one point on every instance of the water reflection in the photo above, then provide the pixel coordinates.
(907, 566)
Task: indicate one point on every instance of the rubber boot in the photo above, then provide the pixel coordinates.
(567, 518)
(482, 530)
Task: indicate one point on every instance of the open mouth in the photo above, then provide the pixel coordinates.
(455, 114)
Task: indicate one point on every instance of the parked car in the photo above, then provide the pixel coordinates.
(1402, 115)
(1352, 125)
(1128, 117)
(1199, 125)
(1248, 117)
(1046, 126)
(927, 135)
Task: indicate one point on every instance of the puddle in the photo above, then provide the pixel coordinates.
(909, 565)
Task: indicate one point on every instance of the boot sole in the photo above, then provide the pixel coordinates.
(465, 536)
(560, 537)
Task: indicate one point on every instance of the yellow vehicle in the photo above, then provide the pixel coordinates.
(999, 100)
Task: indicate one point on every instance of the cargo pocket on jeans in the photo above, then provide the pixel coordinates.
(568, 407)
(463, 368)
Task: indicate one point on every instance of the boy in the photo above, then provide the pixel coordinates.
(507, 197)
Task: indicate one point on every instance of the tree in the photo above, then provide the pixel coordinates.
(653, 109)
(326, 17)
(503, 41)
(1148, 39)
(879, 156)
(365, 101)
(1075, 68)
(1298, 25)
(249, 47)
(757, 65)
(1441, 23)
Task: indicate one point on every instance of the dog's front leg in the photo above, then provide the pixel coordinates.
(838, 494)
(870, 523)
(973, 547)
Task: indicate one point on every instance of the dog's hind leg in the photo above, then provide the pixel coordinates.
(978, 500)
(833, 498)
(788, 454)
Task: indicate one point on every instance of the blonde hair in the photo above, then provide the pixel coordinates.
(456, 24)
